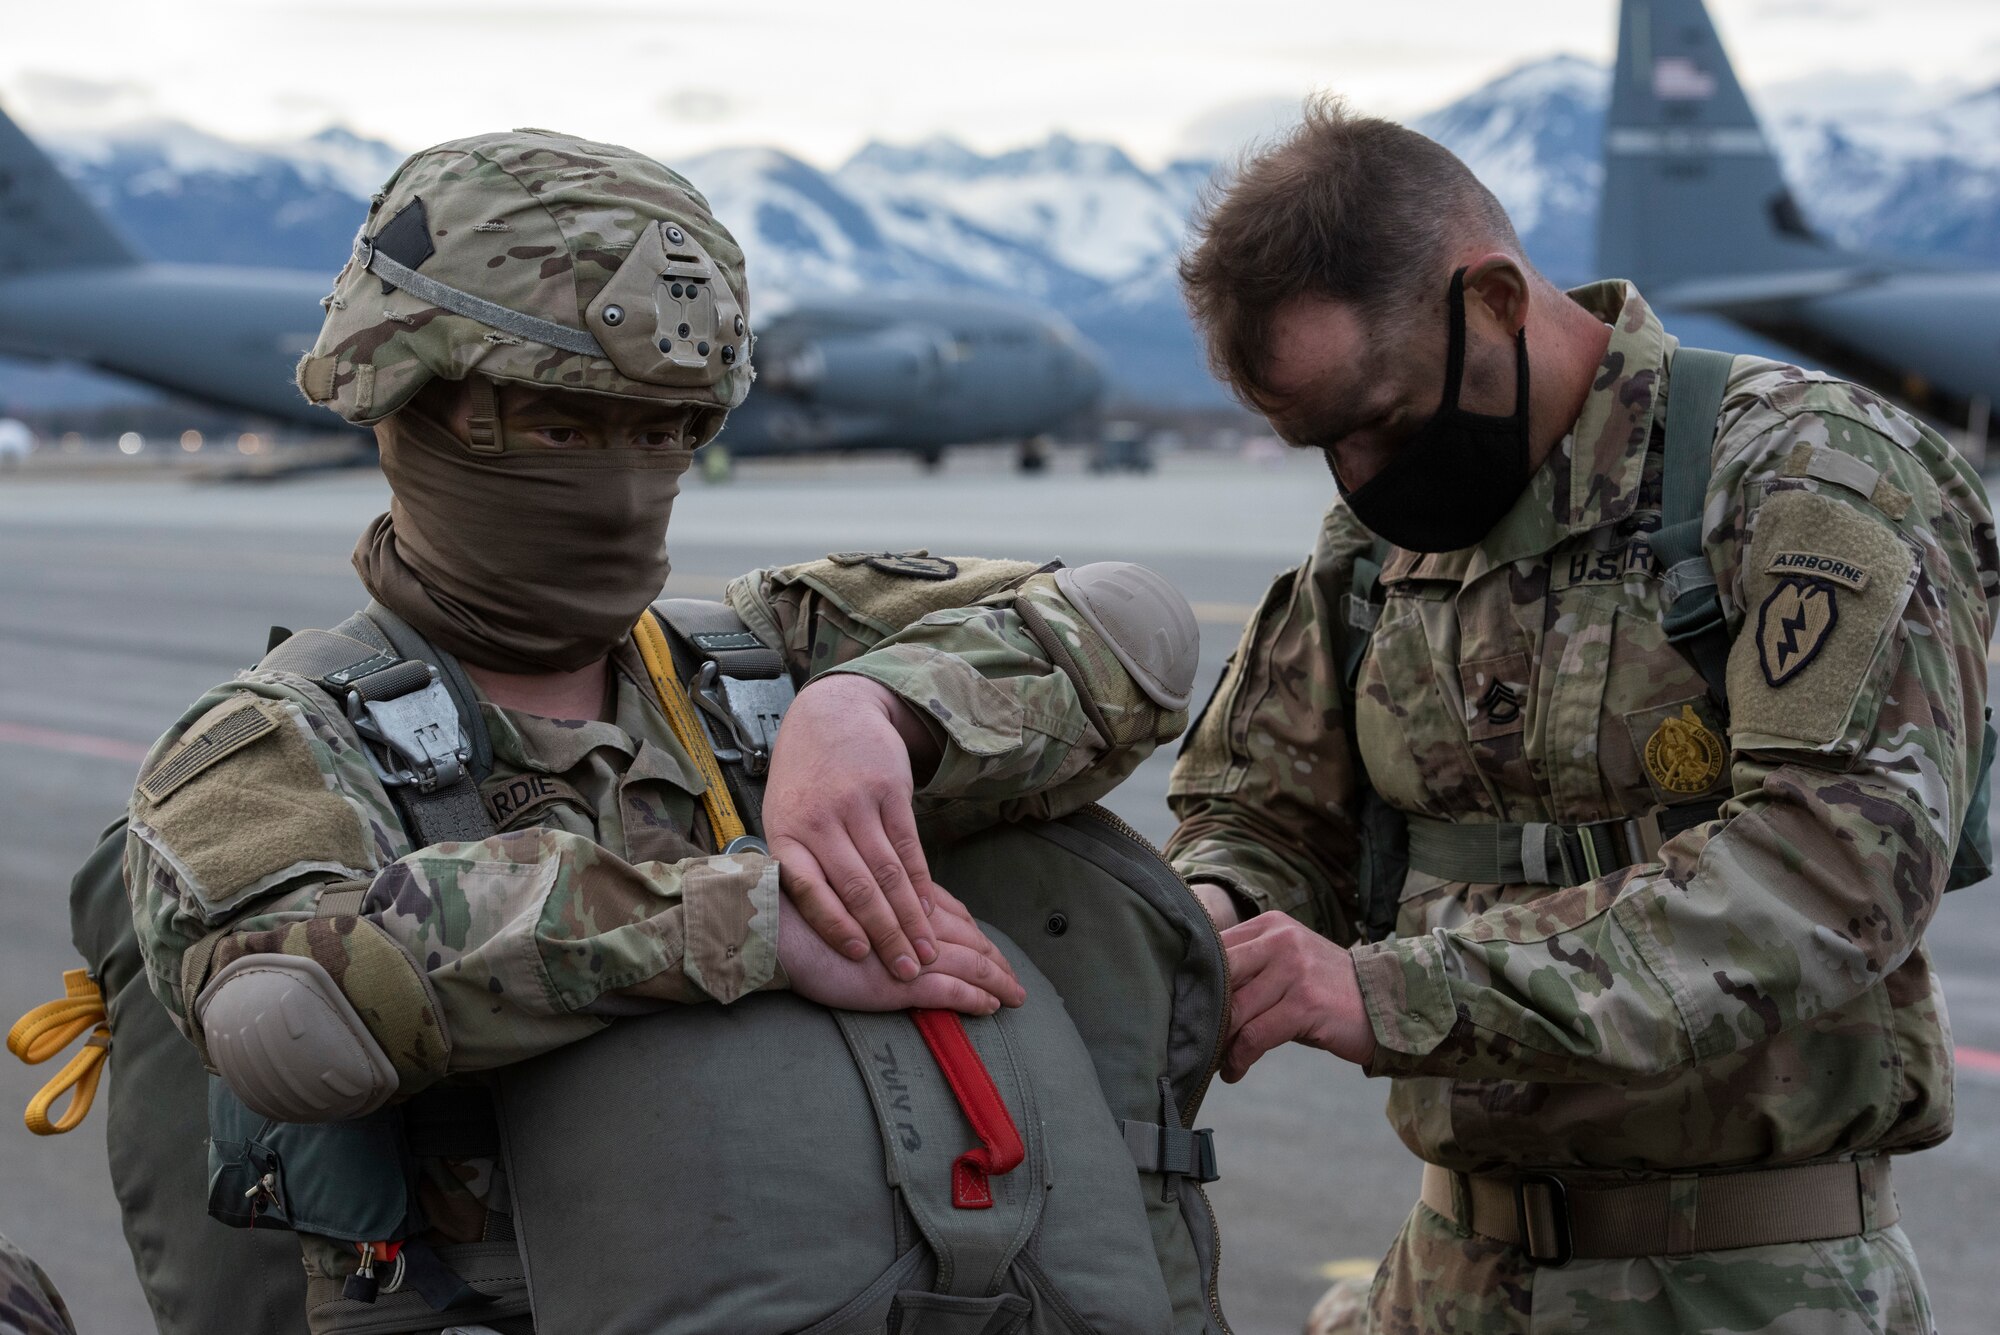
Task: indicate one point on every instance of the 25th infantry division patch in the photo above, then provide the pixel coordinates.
(1794, 625)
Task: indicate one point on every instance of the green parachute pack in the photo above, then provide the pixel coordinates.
(769, 1166)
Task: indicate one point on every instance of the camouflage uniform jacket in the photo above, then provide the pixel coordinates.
(1760, 993)
(601, 894)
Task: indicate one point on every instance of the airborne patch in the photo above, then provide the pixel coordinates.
(1793, 626)
(1825, 567)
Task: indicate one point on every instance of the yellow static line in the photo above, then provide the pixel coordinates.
(1352, 1267)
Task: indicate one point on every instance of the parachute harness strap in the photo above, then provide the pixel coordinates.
(723, 819)
(47, 1030)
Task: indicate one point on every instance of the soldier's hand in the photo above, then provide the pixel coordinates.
(964, 977)
(1290, 984)
(837, 814)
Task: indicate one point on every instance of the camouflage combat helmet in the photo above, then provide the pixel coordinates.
(541, 259)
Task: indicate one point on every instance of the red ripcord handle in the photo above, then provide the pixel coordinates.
(1000, 1149)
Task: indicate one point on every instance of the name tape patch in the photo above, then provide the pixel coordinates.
(1824, 567)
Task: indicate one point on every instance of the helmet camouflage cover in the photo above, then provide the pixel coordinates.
(541, 259)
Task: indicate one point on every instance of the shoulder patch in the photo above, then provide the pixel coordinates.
(891, 590)
(249, 809)
(1793, 625)
(221, 734)
(1824, 583)
(1821, 567)
(917, 564)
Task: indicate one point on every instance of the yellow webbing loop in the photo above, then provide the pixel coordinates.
(722, 817)
(47, 1030)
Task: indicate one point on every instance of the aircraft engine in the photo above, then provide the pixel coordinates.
(864, 370)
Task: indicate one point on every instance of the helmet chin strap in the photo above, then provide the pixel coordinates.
(482, 432)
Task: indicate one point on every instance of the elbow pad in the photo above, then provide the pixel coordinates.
(289, 1042)
(297, 1046)
(1145, 621)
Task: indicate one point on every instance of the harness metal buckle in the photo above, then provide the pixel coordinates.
(750, 708)
(1546, 1234)
(1642, 838)
(417, 735)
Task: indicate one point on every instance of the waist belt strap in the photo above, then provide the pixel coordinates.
(1555, 1220)
(1543, 852)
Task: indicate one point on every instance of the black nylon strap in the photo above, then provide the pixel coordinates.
(1693, 621)
(718, 635)
(724, 630)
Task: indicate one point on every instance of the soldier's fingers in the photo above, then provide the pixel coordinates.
(954, 922)
(1249, 998)
(899, 821)
(967, 962)
(885, 864)
(941, 991)
(1251, 1041)
(800, 877)
(861, 894)
(1249, 958)
(1254, 929)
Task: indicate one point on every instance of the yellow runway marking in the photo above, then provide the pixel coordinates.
(1352, 1267)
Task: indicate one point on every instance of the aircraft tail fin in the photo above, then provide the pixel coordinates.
(45, 222)
(1692, 189)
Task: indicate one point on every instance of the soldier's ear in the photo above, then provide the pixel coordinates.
(1496, 287)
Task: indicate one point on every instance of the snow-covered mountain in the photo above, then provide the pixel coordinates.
(1078, 225)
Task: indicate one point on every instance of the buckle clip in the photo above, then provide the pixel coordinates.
(416, 740)
(1541, 1210)
(749, 710)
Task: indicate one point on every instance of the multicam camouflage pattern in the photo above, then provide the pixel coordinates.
(601, 893)
(29, 1303)
(534, 221)
(1439, 1278)
(1760, 995)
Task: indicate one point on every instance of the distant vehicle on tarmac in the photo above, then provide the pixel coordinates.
(1122, 447)
(857, 372)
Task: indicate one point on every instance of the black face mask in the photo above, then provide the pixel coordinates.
(1450, 483)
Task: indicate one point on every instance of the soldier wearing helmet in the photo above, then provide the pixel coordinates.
(541, 330)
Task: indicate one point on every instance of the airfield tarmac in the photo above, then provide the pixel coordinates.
(120, 601)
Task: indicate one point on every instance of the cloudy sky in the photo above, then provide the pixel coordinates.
(821, 78)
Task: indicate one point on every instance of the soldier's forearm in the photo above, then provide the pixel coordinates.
(1652, 969)
(534, 939)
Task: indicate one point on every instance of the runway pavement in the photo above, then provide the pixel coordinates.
(120, 602)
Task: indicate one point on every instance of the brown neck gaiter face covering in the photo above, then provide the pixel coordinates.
(530, 560)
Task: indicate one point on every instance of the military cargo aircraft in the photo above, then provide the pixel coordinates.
(846, 373)
(1697, 214)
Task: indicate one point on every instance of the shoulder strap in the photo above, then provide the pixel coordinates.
(1693, 620)
(1361, 608)
(740, 690)
(417, 715)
